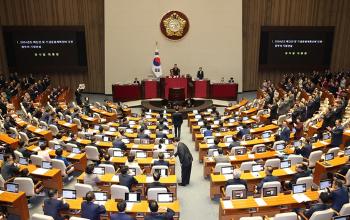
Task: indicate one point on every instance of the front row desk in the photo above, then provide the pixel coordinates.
(149, 89)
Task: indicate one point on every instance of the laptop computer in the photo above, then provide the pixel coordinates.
(227, 170)
(105, 138)
(125, 141)
(216, 122)
(129, 130)
(257, 167)
(245, 118)
(99, 170)
(69, 194)
(40, 143)
(163, 172)
(299, 188)
(100, 197)
(296, 143)
(57, 146)
(342, 217)
(23, 161)
(132, 197)
(112, 129)
(132, 171)
(165, 197)
(326, 136)
(328, 156)
(261, 149)
(347, 151)
(239, 194)
(200, 123)
(280, 147)
(215, 153)
(269, 191)
(229, 140)
(231, 120)
(76, 150)
(197, 116)
(141, 154)
(285, 164)
(325, 183)
(240, 151)
(46, 165)
(210, 141)
(12, 187)
(96, 127)
(266, 135)
(118, 153)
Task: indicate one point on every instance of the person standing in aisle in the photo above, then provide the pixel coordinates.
(177, 121)
(186, 159)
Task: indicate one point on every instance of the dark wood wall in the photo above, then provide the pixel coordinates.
(89, 13)
(292, 13)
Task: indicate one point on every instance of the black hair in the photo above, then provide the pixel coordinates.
(156, 176)
(216, 141)
(124, 169)
(220, 151)
(59, 152)
(153, 206)
(161, 155)
(90, 168)
(131, 158)
(121, 206)
(52, 193)
(90, 196)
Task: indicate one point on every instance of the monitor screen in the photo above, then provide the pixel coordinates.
(200, 123)
(261, 149)
(76, 150)
(197, 116)
(240, 151)
(210, 141)
(125, 141)
(141, 154)
(96, 127)
(215, 153)
(105, 138)
(266, 135)
(257, 167)
(118, 153)
(46, 165)
(132, 197)
(280, 147)
(69, 194)
(165, 197)
(226, 170)
(147, 131)
(342, 217)
(285, 164)
(297, 143)
(326, 136)
(99, 170)
(329, 156)
(238, 128)
(163, 172)
(231, 120)
(101, 196)
(57, 146)
(245, 118)
(132, 171)
(327, 183)
(23, 161)
(166, 155)
(41, 143)
(112, 129)
(269, 191)
(12, 187)
(299, 188)
(229, 140)
(216, 122)
(239, 194)
(1, 156)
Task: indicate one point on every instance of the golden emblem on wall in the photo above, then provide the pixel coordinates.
(174, 25)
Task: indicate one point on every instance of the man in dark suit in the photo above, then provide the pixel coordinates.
(236, 179)
(245, 130)
(339, 195)
(177, 121)
(154, 215)
(53, 205)
(90, 210)
(156, 183)
(161, 161)
(302, 171)
(268, 178)
(305, 150)
(186, 159)
(160, 134)
(337, 133)
(125, 179)
(175, 70)
(200, 73)
(284, 133)
(320, 206)
(118, 143)
(142, 134)
(121, 215)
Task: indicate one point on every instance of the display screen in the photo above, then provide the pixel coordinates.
(295, 48)
(45, 48)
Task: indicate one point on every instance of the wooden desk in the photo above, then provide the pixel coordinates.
(52, 179)
(219, 181)
(72, 127)
(109, 116)
(16, 204)
(9, 140)
(89, 120)
(47, 134)
(235, 107)
(321, 169)
(235, 209)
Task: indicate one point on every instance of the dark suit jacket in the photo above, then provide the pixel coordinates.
(160, 216)
(143, 136)
(184, 154)
(160, 134)
(156, 185)
(92, 211)
(161, 162)
(267, 179)
(339, 198)
(337, 136)
(285, 134)
(177, 118)
(121, 216)
(200, 74)
(304, 151)
(127, 180)
(236, 182)
(119, 144)
(52, 207)
(316, 207)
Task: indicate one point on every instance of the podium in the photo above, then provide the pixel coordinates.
(169, 82)
(224, 91)
(201, 89)
(126, 92)
(150, 89)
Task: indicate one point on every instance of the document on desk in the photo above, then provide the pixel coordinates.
(129, 206)
(260, 202)
(38, 130)
(39, 171)
(289, 171)
(251, 156)
(67, 124)
(227, 204)
(301, 197)
(71, 155)
(115, 178)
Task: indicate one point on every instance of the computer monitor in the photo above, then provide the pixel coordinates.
(215, 153)
(347, 151)
(200, 123)
(266, 112)
(229, 140)
(245, 118)
(76, 150)
(168, 141)
(105, 138)
(299, 188)
(329, 156)
(118, 153)
(248, 137)
(147, 131)
(342, 217)
(239, 194)
(261, 149)
(197, 116)
(240, 151)
(257, 167)
(41, 143)
(195, 111)
(238, 128)
(266, 135)
(231, 120)
(100, 196)
(125, 141)
(96, 127)
(163, 172)
(326, 136)
(132, 122)
(285, 164)
(23, 161)
(57, 146)
(132, 197)
(227, 170)
(12, 187)
(132, 171)
(46, 165)
(280, 147)
(129, 130)
(99, 170)
(112, 129)
(296, 143)
(1, 156)
(144, 141)
(69, 194)
(327, 183)
(141, 154)
(269, 191)
(165, 197)
(210, 141)
(166, 132)
(216, 122)
(166, 155)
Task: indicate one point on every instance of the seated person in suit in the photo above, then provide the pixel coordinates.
(90, 178)
(208, 132)
(320, 206)
(156, 183)
(155, 215)
(118, 143)
(245, 130)
(268, 178)
(221, 158)
(339, 195)
(234, 143)
(89, 209)
(125, 179)
(343, 170)
(131, 161)
(216, 144)
(161, 160)
(22, 149)
(142, 135)
(121, 215)
(160, 134)
(59, 152)
(305, 150)
(302, 171)
(236, 179)
(44, 153)
(9, 169)
(53, 205)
